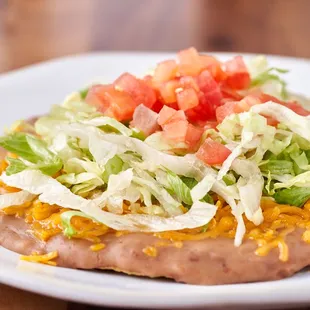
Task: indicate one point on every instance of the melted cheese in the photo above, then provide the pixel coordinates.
(279, 220)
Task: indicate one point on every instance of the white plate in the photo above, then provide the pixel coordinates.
(31, 91)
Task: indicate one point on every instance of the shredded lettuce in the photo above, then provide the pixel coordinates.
(179, 188)
(15, 199)
(250, 186)
(103, 121)
(295, 196)
(33, 151)
(52, 192)
(113, 166)
(267, 79)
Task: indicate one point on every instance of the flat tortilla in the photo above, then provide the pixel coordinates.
(205, 262)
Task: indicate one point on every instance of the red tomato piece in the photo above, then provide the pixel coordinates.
(176, 130)
(246, 103)
(189, 62)
(96, 96)
(120, 105)
(138, 89)
(165, 115)
(230, 93)
(210, 98)
(223, 111)
(212, 152)
(213, 66)
(294, 106)
(188, 82)
(187, 99)
(193, 135)
(158, 105)
(165, 71)
(238, 76)
(145, 120)
(167, 91)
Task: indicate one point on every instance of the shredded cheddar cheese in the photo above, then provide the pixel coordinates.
(97, 247)
(42, 259)
(279, 221)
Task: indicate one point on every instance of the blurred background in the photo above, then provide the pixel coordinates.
(36, 30)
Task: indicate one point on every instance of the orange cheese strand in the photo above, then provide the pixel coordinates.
(42, 259)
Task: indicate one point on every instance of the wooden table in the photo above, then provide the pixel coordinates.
(36, 30)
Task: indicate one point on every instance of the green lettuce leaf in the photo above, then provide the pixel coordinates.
(179, 188)
(295, 196)
(278, 167)
(66, 217)
(271, 74)
(32, 150)
(113, 166)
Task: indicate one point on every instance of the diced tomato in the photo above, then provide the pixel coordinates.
(230, 93)
(145, 120)
(212, 152)
(210, 98)
(223, 111)
(206, 124)
(189, 62)
(167, 91)
(232, 107)
(213, 66)
(265, 98)
(187, 99)
(138, 89)
(120, 105)
(165, 71)
(158, 105)
(165, 115)
(96, 96)
(148, 79)
(168, 115)
(188, 82)
(176, 130)
(294, 106)
(238, 76)
(246, 103)
(111, 102)
(297, 108)
(193, 135)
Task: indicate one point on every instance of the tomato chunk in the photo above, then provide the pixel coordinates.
(165, 71)
(167, 91)
(96, 96)
(168, 115)
(225, 110)
(189, 82)
(193, 135)
(230, 93)
(111, 102)
(213, 66)
(210, 98)
(212, 152)
(176, 130)
(120, 105)
(238, 76)
(165, 115)
(138, 89)
(187, 99)
(189, 62)
(294, 106)
(232, 107)
(145, 120)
